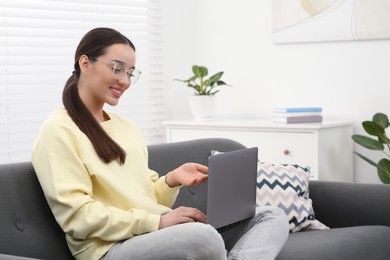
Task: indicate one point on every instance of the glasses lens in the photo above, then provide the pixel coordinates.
(119, 70)
(134, 76)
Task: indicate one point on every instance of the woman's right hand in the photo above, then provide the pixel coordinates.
(182, 215)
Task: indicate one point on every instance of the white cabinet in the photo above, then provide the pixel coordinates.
(326, 147)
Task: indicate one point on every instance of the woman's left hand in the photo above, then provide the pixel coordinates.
(188, 174)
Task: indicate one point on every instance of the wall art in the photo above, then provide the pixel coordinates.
(330, 20)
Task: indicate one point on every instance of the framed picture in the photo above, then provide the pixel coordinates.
(330, 20)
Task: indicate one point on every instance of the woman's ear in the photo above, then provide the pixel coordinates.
(85, 64)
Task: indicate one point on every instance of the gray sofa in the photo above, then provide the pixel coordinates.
(358, 214)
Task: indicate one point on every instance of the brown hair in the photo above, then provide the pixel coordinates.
(93, 44)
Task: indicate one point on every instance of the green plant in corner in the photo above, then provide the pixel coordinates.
(379, 142)
(202, 85)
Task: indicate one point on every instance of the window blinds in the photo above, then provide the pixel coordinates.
(38, 39)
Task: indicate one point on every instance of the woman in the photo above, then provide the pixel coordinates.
(93, 168)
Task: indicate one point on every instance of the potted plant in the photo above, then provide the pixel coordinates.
(379, 142)
(203, 101)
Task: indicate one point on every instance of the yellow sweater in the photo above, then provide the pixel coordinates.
(98, 204)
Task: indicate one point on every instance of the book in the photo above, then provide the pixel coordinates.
(296, 109)
(286, 114)
(298, 119)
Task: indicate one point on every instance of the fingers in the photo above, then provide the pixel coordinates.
(195, 167)
(188, 174)
(201, 168)
(182, 215)
(195, 181)
(200, 179)
(193, 214)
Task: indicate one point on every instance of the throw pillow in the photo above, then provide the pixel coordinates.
(287, 187)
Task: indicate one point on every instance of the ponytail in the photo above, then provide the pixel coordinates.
(106, 148)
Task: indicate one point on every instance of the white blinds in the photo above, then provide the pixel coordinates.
(38, 39)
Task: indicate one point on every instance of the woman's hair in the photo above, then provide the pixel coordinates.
(93, 44)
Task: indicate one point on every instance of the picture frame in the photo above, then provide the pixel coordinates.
(330, 20)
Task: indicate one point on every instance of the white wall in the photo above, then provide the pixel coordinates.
(350, 80)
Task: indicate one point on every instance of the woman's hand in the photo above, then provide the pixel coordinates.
(182, 215)
(188, 174)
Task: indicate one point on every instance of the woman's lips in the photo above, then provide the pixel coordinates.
(116, 92)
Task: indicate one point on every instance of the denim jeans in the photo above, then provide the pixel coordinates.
(260, 237)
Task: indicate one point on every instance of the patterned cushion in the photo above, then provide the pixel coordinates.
(287, 187)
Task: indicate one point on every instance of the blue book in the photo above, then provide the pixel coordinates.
(296, 109)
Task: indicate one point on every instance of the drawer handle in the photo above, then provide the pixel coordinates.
(286, 152)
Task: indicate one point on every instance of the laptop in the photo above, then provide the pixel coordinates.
(231, 187)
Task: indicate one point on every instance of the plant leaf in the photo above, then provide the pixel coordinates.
(199, 71)
(376, 129)
(373, 128)
(368, 142)
(182, 80)
(215, 77)
(366, 159)
(220, 83)
(187, 80)
(381, 119)
(384, 170)
(208, 83)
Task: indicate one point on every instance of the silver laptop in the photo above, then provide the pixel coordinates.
(231, 187)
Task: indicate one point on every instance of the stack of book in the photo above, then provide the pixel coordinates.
(292, 115)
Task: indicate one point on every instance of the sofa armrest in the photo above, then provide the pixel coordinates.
(341, 204)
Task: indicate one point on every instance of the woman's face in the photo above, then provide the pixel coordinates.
(106, 78)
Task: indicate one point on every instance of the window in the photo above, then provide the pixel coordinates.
(38, 39)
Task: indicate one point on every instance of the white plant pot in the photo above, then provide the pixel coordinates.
(202, 107)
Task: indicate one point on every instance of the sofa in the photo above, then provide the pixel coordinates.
(358, 214)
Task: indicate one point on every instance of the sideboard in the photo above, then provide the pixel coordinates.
(326, 147)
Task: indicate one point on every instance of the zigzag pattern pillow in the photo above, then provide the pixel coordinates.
(287, 187)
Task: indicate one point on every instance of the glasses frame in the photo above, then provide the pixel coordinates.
(132, 74)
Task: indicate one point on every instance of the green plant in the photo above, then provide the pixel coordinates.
(379, 142)
(202, 85)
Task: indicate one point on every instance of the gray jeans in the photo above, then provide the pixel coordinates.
(260, 237)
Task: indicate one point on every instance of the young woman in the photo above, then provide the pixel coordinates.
(93, 168)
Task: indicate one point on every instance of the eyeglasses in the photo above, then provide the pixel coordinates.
(120, 69)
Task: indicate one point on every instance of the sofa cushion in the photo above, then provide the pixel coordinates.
(351, 243)
(287, 187)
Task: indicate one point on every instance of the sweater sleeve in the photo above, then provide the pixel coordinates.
(165, 195)
(68, 189)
